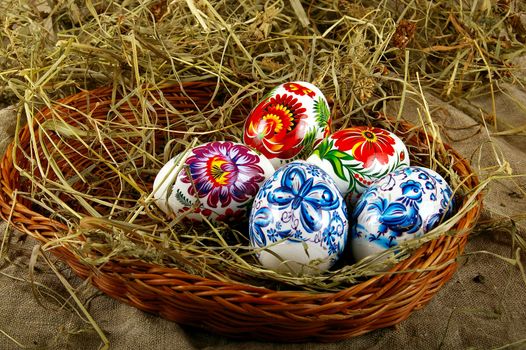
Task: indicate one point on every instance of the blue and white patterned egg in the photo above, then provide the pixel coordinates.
(298, 222)
(404, 204)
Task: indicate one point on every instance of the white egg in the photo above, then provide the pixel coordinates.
(298, 221)
(402, 205)
(217, 180)
(356, 157)
(288, 123)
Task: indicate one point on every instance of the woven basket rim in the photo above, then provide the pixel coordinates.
(328, 315)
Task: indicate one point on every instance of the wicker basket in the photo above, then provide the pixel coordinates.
(233, 309)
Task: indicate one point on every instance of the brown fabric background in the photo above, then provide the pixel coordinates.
(482, 307)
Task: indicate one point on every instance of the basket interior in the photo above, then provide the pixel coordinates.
(93, 140)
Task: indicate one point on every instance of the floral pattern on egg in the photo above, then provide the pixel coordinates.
(300, 216)
(404, 204)
(288, 123)
(217, 179)
(356, 157)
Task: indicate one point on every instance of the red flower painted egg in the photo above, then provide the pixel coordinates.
(217, 180)
(288, 123)
(356, 157)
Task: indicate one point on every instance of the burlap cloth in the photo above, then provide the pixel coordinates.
(483, 306)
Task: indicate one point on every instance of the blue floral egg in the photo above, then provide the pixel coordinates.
(402, 205)
(298, 223)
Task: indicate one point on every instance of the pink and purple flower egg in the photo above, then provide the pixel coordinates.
(217, 180)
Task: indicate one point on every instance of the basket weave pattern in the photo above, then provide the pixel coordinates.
(229, 308)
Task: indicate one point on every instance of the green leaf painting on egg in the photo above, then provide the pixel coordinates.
(322, 113)
(182, 199)
(336, 157)
(308, 143)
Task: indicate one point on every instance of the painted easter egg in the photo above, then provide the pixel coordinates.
(217, 180)
(356, 157)
(288, 123)
(298, 223)
(402, 205)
